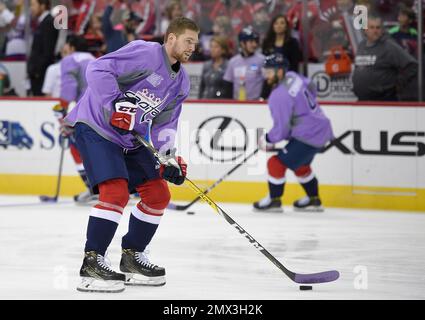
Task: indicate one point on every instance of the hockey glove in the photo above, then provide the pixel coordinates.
(264, 145)
(65, 130)
(173, 173)
(124, 116)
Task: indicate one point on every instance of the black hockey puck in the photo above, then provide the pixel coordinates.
(190, 212)
(303, 288)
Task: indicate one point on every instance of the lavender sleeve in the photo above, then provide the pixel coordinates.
(281, 106)
(69, 85)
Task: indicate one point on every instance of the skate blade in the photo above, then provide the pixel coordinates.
(87, 203)
(103, 286)
(133, 279)
(310, 209)
(274, 210)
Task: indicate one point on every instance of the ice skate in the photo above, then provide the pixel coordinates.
(97, 276)
(139, 271)
(268, 204)
(308, 204)
(86, 198)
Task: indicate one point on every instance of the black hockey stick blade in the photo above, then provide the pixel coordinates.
(48, 198)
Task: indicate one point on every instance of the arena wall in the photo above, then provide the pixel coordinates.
(377, 160)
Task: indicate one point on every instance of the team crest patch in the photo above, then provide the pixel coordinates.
(155, 79)
(148, 103)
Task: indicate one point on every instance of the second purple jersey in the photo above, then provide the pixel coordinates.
(73, 75)
(143, 71)
(297, 114)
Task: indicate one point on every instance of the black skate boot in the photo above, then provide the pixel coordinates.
(97, 276)
(139, 271)
(268, 204)
(312, 204)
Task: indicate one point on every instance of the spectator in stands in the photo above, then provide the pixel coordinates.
(6, 18)
(94, 36)
(212, 83)
(43, 45)
(261, 18)
(220, 28)
(174, 9)
(383, 69)
(278, 39)
(243, 74)
(405, 35)
(119, 35)
(16, 46)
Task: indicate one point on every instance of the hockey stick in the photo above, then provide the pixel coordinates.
(186, 206)
(321, 277)
(58, 184)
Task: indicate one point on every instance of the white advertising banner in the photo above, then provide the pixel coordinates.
(374, 145)
(29, 138)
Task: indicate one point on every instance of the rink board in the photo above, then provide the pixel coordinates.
(377, 160)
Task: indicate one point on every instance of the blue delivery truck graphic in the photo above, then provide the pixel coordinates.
(13, 134)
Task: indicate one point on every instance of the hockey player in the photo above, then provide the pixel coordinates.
(73, 84)
(139, 87)
(299, 119)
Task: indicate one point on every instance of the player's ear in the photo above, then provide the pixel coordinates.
(172, 37)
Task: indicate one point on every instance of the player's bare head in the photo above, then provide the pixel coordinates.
(181, 38)
(374, 29)
(39, 6)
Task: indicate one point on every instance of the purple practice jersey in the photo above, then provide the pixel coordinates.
(246, 70)
(143, 71)
(296, 113)
(73, 75)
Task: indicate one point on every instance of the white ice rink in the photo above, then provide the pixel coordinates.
(380, 255)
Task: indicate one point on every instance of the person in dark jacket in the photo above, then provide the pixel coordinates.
(212, 83)
(383, 70)
(43, 46)
(278, 40)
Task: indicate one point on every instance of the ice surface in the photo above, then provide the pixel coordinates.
(41, 250)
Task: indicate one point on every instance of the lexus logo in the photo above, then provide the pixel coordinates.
(222, 138)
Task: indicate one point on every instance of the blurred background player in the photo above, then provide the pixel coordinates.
(73, 85)
(139, 87)
(243, 73)
(298, 118)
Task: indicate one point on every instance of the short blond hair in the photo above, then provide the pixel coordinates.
(179, 25)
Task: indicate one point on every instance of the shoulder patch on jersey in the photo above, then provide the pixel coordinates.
(154, 79)
(293, 84)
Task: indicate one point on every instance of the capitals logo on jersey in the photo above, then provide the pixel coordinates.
(148, 103)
